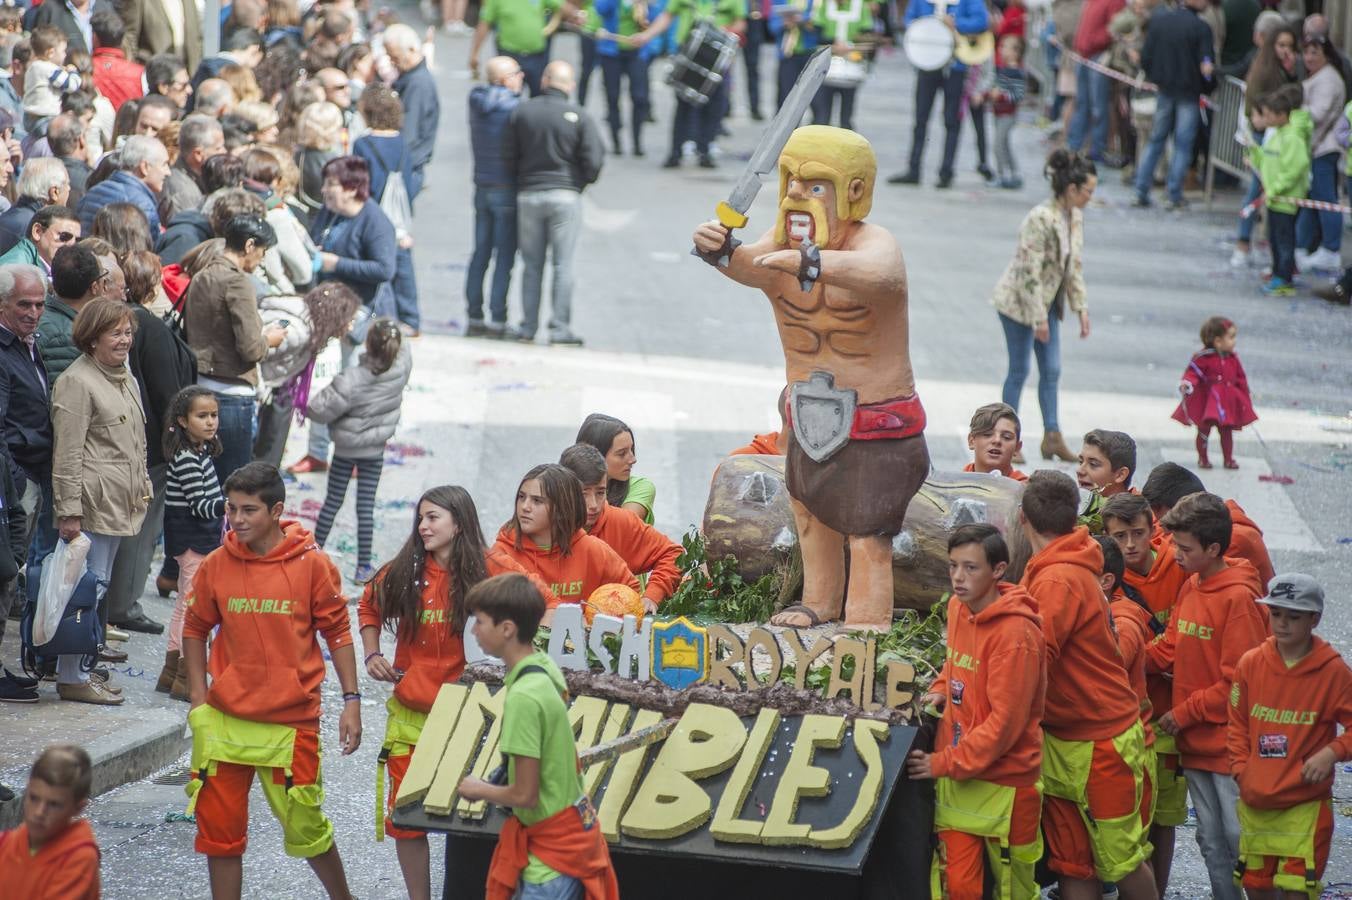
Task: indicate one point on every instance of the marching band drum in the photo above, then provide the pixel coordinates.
(702, 63)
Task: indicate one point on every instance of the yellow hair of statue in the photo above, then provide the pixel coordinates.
(823, 152)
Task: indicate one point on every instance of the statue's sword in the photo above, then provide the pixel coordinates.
(732, 211)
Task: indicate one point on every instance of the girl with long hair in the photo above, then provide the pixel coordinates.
(419, 597)
(615, 440)
(1273, 66)
(545, 535)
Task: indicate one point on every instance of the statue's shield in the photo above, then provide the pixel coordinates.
(822, 415)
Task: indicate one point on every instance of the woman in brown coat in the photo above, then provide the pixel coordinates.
(99, 481)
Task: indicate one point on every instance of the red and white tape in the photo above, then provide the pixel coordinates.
(1139, 83)
(1321, 205)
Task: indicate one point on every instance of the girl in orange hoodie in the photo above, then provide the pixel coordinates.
(1290, 695)
(545, 536)
(989, 744)
(420, 597)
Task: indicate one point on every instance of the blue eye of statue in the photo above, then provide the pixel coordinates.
(818, 190)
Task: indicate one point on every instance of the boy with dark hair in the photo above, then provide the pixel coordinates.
(1107, 462)
(1214, 623)
(644, 549)
(1282, 161)
(53, 853)
(1094, 756)
(1290, 695)
(995, 437)
(1151, 570)
(1169, 482)
(991, 693)
(551, 846)
(271, 591)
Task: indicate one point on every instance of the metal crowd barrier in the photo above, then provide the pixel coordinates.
(1227, 115)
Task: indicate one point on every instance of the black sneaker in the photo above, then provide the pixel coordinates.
(6, 794)
(565, 340)
(21, 680)
(1142, 201)
(756, 116)
(904, 178)
(495, 331)
(521, 336)
(944, 183)
(13, 692)
(476, 328)
(142, 624)
(672, 162)
(985, 172)
(707, 162)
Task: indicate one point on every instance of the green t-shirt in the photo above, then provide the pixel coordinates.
(519, 25)
(725, 13)
(826, 24)
(641, 490)
(535, 724)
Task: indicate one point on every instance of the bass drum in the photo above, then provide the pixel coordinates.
(929, 44)
(705, 57)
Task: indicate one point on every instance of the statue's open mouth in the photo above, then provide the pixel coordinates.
(799, 226)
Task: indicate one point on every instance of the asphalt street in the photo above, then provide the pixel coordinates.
(693, 363)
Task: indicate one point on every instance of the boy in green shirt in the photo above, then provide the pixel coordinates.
(1283, 164)
(551, 846)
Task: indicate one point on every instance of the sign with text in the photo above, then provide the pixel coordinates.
(802, 791)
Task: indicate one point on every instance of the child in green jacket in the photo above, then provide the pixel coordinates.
(1283, 165)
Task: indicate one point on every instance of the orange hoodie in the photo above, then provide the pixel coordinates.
(265, 662)
(1280, 717)
(643, 549)
(1246, 542)
(64, 868)
(1088, 695)
(1214, 623)
(761, 445)
(994, 683)
(1160, 589)
(589, 564)
(1013, 473)
(1131, 621)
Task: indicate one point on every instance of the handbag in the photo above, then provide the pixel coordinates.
(80, 631)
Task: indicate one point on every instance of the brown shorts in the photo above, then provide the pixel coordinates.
(864, 488)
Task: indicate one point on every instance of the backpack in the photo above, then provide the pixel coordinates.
(80, 631)
(394, 200)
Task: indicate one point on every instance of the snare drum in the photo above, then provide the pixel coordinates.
(704, 60)
(929, 43)
(845, 73)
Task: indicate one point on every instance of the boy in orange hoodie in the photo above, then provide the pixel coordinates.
(988, 749)
(648, 553)
(551, 846)
(995, 437)
(53, 855)
(1214, 623)
(1290, 695)
(1094, 756)
(1169, 482)
(545, 536)
(1151, 570)
(271, 591)
(1107, 462)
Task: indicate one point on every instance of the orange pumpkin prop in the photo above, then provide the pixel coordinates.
(616, 600)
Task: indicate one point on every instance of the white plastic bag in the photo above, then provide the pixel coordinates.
(60, 574)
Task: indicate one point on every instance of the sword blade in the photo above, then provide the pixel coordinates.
(766, 156)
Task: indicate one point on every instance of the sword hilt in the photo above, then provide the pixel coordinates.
(729, 218)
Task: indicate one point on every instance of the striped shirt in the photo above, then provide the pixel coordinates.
(193, 504)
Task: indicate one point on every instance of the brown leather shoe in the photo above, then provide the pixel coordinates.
(166, 680)
(1333, 292)
(1054, 447)
(308, 465)
(88, 692)
(112, 656)
(165, 586)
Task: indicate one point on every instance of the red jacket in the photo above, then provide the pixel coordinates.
(559, 842)
(65, 868)
(1280, 717)
(1088, 695)
(116, 77)
(1092, 37)
(1214, 623)
(1220, 392)
(994, 683)
(643, 549)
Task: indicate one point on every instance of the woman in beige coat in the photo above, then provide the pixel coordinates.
(1045, 278)
(99, 480)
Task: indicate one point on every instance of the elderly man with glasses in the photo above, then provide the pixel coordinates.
(51, 228)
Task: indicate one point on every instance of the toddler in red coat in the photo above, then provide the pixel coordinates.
(1216, 391)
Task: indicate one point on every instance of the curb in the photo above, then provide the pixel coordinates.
(134, 752)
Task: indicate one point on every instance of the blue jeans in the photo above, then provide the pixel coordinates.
(561, 888)
(1316, 229)
(405, 287)
(1246, 224)
(1019, 341)
(1179, 116)
(494, 238)
(630, 65)
(236, 432)
(1282, 229)
(1091, 112)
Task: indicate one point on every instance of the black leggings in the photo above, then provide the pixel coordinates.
(368, 479)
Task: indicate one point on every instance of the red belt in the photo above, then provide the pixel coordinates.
(901, 417)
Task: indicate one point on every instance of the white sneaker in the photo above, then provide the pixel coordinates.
(1326, 260)
(1303, 259)
(1239, 259)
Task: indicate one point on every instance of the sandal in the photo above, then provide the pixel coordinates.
(811, 614)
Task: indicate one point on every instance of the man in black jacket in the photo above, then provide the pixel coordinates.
(1177, 58)
(553, 150)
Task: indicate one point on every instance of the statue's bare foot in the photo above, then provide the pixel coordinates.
(796, 616)
(872, 628)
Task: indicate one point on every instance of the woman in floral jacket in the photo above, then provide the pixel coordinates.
(1045, 278)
